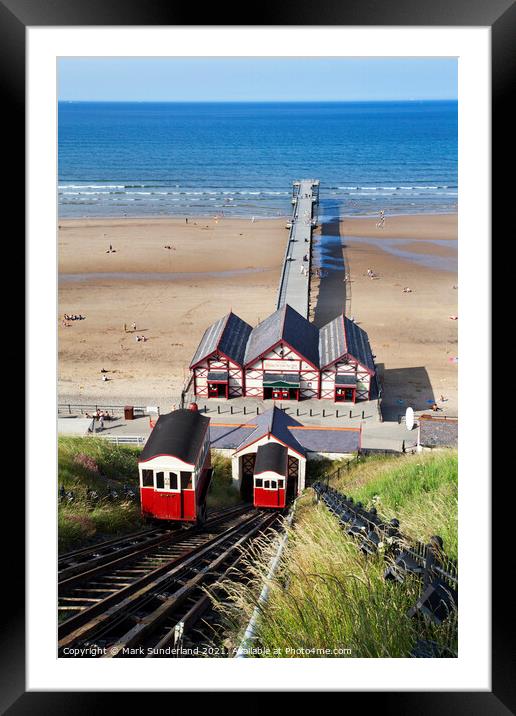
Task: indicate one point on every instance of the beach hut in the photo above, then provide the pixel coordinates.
(282, 358)
(346, 360)
(217, 365)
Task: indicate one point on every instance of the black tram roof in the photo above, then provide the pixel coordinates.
(180, 434)
(271, 457)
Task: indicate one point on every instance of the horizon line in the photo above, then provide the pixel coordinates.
(255, 101)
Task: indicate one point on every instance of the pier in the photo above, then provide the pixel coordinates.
(294, 286)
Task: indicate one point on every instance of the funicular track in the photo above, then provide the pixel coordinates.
(153, 608)
(86, 589)
(82, 560)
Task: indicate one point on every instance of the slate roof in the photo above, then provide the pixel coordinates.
(358, 344)
(342, 336)
(288, 325)
(328, 440)
(179, 433)
(229, 335)
(271, 457)
(229, 436)
(289, 431)
(438, 432)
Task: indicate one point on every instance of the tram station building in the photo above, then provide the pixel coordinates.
(246, 445)
(285, 357)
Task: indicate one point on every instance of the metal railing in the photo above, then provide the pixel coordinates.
(83, 408)
(286, 267)
(437, 573)
(124, 439)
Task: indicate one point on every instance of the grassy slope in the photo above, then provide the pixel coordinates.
(420, 490)
(79, 522)
(99, 465)
(326, 594)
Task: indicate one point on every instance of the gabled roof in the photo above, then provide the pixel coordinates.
(288, 325)
(228, 335)
(276, 423)
(179, 434)
(342, 337)
(288, 431)
(271, 457)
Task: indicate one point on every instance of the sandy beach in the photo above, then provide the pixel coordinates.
(411, 333)
(174, 293)
(171, 294)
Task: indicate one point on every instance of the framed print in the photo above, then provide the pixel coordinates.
(258, 286)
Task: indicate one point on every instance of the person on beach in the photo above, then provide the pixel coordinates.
(381, 223)
(186, 220)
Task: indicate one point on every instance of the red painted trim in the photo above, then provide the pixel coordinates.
(275, 440)
(344, 355)
(166, 454)
(272, 347)
(322, 427)
(279, 474)
(177, 457)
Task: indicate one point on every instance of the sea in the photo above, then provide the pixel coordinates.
(140, 159)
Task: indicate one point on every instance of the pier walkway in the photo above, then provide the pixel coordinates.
(294, 286)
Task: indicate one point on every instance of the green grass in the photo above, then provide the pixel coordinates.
(93, 462)
(326, 594)
(420, 490)
(222, 492)
(99, 465)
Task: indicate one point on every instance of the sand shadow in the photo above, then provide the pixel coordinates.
(328, 255)
(402, 388)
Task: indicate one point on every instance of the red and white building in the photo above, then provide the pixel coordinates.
(284, 358)
(217, 365)
(347, 365)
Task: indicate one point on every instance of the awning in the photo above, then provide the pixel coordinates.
(350, 380)
(218, 377)
(281, 380)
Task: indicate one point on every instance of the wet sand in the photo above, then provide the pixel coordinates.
(411, 334)
(235, 264)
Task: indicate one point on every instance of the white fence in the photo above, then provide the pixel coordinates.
(124, 439)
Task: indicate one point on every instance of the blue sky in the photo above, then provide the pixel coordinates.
(256, 79)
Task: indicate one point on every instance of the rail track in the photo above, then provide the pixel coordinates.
(147, 600)
(81, 560)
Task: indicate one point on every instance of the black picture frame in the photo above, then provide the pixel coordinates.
(500, 16)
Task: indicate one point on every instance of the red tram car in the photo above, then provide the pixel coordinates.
(270, 476)
(175, 468)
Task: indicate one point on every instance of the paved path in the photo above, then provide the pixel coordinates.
(294, 287)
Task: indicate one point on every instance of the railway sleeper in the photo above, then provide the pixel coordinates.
(153, 621)
(83, 625)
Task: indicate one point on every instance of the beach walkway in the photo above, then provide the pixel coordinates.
(294, 286)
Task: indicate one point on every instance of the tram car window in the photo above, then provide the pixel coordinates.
(175, 469)
(270, 474)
